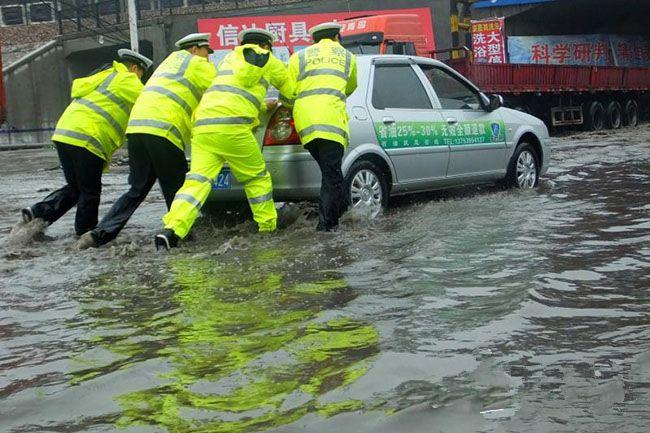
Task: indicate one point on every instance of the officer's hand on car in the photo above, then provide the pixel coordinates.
(271, 104)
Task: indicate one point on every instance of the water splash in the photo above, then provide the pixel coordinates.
(23, 234)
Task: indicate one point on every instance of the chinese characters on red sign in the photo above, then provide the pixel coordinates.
(488, 42)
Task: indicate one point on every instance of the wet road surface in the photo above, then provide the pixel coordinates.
(472, 310)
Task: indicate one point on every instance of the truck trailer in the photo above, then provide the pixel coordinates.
(594, 96)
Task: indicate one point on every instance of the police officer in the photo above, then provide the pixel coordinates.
(222, 133)
(89, 131)
(324, 74)
(158, 131)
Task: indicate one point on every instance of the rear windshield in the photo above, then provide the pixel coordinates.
(363, 43)
(357, 48)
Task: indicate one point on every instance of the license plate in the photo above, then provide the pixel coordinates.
(223, 180)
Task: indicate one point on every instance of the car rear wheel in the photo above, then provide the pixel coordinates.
(367, 187)
(523, 172)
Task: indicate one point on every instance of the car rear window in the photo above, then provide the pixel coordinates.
(397, 86)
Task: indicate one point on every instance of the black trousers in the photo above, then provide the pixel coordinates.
(333, 201)
(83, 173)
(150, 158)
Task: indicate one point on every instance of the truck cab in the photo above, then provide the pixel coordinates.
(385, 34)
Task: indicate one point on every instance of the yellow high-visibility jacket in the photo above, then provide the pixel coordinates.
(170, 97)
(97, 116)
(236, 96)
(324, 75)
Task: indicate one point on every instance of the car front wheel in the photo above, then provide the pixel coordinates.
(523, 172)
(367, 187)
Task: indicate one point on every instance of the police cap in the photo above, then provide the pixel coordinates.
(325, 30)
(137, 58)
(256, 36)
(195, 40)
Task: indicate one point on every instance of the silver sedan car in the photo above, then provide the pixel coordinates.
(415, 125)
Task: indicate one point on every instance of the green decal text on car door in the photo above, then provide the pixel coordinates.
(426, 134)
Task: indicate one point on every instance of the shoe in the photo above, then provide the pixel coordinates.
(323, 228)
(311, 214)
(166, 239)
(27, 214)
(86, 240)
(266, 234)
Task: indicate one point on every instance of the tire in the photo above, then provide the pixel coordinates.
(631, 113)
(523, 171)
(614, 115)
(367, 186)
(594, 116)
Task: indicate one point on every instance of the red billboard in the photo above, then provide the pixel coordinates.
(291, 30)
(488, 42)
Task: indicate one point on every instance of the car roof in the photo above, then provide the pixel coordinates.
(369, 58)
(366, 60)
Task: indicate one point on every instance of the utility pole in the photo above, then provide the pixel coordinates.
(460, 17)
(133, 25)
(453, 22)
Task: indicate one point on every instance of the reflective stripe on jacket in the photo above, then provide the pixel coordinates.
(170, 97)
(237, 93)
(98, 114)
(324, 75)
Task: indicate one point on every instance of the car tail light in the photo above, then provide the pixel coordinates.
(281, 129)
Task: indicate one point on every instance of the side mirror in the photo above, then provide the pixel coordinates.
(495, 102)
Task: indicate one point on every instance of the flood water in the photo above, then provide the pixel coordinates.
(477, 310)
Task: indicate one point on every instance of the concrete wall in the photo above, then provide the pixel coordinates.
(38, 93)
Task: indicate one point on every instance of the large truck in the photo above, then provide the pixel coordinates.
(594, 96)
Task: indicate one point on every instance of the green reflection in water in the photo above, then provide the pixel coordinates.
(249, 347)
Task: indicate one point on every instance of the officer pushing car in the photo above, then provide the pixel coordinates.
(89, 131)
(324, 75)
(222, 133)
(158, 132)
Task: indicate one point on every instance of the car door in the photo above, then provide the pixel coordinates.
(476, 137)
(405, 120)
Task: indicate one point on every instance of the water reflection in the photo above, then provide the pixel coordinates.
(498, 311)
(241, 345)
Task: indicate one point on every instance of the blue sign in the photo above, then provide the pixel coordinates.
(591, 50)
(586, 50)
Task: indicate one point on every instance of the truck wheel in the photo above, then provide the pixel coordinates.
(594, 116)
(367, 187)
(631, 113)
(523, 171)
(613, 119)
